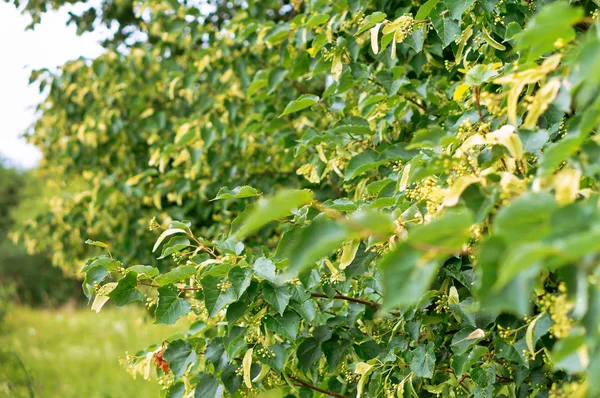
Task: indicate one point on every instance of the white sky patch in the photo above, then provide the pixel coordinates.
(51, 44)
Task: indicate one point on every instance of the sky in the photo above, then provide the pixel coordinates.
(51, 44)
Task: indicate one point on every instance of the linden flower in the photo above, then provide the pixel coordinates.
(309, 171)
(362, 368)
(401, 26)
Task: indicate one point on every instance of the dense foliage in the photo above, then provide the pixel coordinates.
(354, 198)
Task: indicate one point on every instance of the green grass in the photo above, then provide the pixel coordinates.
(75, 352)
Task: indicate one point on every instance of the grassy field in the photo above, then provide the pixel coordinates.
(75, 352)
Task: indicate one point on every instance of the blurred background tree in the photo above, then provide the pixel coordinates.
(30, 276)
(42, 316)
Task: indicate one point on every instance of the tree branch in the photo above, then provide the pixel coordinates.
(342, 297)
(478, 103)
(302, 383)
(415, 102)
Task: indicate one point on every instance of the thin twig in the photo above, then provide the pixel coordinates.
(302, 383)
(478, 103)
(353, 299)
(413, 101)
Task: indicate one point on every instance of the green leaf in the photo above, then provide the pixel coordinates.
(423, 361)
(513, 30)
(526, 218)
(554, 21)
(462, 363)
(458, 7)
(101, 261)
(235, 311)
(264, 268)
(449, 232)
(362, 163)
(240, 279)
(278, 361)
(484, 377)
(465, 339)
(425, 9)
(515, 296)
(558, 152)
(448, 29)
(208, 387)
(165, 234)
(369, 160)
(316, 20)
(529, 333)
(480, 74)
(170, 306)
(93, 275)
(303, 102)
(430, 137)
(334, 351)
(521, 258)
(126, 290)
(367, 222)
(146, 270)
(231, 379)
(176, 390)
(391, 84)
(274, 208)
(571, 353)
(215, 298)
(245, 191)
(285, 245)
(215, 353)
(416, 39)
(175, 244)
(275, 78)
(279, 33)
(316, 241)
(308, 352)
(370, 21)
(352, 125)
(176, 275)
(180, 355)
(306, 309)
(96, 243)
(593, 373)
(286, 326)
(367, 350)
(532, 143)
(406, 277)
(277, 296)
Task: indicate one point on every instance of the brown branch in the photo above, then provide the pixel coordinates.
(304, 90)
(353, 299)
(202, 246)
(302, 383)
(336, 189)
(478, 103)
(423, 107)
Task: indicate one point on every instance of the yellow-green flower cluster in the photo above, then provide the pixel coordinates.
(265, 352)
(558, 306)
(573, 389)
(429, 191)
